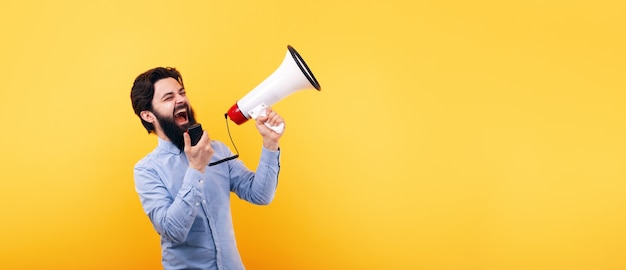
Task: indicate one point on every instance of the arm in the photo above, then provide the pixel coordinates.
(260, 187)
(172, 217)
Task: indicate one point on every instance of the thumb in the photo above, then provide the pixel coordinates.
(261, 119)
(187, 140)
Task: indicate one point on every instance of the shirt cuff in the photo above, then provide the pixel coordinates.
(267, 154)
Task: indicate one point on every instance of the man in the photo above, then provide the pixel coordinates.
(186, 200)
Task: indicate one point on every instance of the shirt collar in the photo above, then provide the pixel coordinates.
(168, 146)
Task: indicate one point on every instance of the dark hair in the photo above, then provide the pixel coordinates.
(142, 92)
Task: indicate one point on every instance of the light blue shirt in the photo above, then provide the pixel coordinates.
(191, 210)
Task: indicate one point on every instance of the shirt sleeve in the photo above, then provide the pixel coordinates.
(172, 217)
(260, 187)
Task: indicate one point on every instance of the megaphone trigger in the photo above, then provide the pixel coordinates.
(259, 111)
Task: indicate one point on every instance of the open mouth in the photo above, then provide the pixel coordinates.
(181, 117)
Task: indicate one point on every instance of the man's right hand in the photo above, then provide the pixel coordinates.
(200, 154)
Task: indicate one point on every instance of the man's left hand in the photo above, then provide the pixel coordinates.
(270, 137)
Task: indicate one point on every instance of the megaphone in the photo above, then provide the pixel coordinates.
(291, 76)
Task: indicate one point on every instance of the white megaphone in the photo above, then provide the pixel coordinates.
(291, 76)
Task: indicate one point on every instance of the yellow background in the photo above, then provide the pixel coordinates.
(447, 135)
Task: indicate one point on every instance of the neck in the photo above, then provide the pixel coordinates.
(162, 135)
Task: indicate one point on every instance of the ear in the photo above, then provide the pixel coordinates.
(147, 116)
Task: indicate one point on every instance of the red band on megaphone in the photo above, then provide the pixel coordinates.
(236, 115)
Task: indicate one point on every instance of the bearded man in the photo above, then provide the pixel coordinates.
(187, 201)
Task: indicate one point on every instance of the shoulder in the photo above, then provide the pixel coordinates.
(147, 162)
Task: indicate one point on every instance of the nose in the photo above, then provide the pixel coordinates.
(179, 99)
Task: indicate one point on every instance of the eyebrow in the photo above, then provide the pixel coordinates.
(171, 93)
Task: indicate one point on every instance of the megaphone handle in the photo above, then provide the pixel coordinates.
(258, 111)
(279, 129)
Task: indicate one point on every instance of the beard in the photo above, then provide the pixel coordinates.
(173, 131)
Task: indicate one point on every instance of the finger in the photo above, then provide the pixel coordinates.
(276, 119)
(187, 140)
(205, 136)
(262, 119)
(206, 142)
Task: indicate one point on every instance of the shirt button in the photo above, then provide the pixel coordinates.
(203, 201)
(201, 181)
(197, 204)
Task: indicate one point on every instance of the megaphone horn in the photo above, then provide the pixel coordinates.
(291, 76)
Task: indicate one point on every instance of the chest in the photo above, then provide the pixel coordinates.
(216, 179)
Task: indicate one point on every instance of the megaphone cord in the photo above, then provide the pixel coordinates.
(231, 141)
(229, 136)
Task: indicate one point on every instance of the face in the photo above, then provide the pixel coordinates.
(171, 113)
